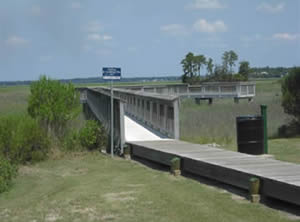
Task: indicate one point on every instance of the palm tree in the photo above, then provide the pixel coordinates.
(199, 61)
(210, 66)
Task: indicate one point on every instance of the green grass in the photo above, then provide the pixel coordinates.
(93, 187)
(285, 149)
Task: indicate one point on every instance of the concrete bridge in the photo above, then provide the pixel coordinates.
(154, 109)
(137, 115)
(147, 119)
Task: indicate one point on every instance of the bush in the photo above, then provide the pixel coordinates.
(7, 130)
(291, 93)
(7, 172)
(71, 141)
(22, 139)
(53, 103)
(92, 135)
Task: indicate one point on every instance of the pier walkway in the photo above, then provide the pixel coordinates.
(280, 180)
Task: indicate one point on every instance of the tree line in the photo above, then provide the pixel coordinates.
(192, 66)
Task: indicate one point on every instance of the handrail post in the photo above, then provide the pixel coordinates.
(264, 115)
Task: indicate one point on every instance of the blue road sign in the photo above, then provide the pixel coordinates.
(111, 73)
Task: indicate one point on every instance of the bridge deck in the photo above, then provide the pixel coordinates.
(280, 180)
(138, 132)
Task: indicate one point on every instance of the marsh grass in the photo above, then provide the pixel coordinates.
(216, 123)
(13, 100)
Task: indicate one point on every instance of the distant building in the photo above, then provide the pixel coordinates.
(264, 73)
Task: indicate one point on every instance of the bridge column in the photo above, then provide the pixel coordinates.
(158, 120)
(151, 113)
(144, 106)
(122, 127)
(165, 118)
(176, 119)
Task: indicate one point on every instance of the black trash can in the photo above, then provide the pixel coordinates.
(250, 134)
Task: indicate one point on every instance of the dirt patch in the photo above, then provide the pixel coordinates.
(4, 213)
(93, 214)
(108, 217)
(26, 170)
(293, 217)
(86, 210)
(122, 196)
(51, 217)
(74, 172)
(238, 198)
(135, 185)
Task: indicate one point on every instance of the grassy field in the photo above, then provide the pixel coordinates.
(285, 149)
(94, 187)
(217, 123)
(13, 100)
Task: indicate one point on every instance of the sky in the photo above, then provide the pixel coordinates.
(75, 39)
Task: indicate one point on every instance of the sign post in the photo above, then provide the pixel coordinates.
(111, 73)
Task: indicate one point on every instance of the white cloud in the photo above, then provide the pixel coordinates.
(93, 26)
(202, 25)
(36, 10)
(286, 36)
(174, 29)
(94, 36)
(76, 5)
(266, 7)
(106, 37)
(205, 4)
(98, 37)
(15, 41)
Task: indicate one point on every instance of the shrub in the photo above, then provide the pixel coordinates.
(7, 130)
(7, 172)
(53, 103)
(22, 139)
(71, 141)
(92, 135)
(291, 93)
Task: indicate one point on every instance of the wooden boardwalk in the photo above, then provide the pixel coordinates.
(280, 180)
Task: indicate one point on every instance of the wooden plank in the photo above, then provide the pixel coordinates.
(225, 175)
(156, 156)
(282, 191)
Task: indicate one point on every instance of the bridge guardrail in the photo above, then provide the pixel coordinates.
(158, 112)
(209, 89)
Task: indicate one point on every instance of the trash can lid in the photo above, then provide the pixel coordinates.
(248, 117)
